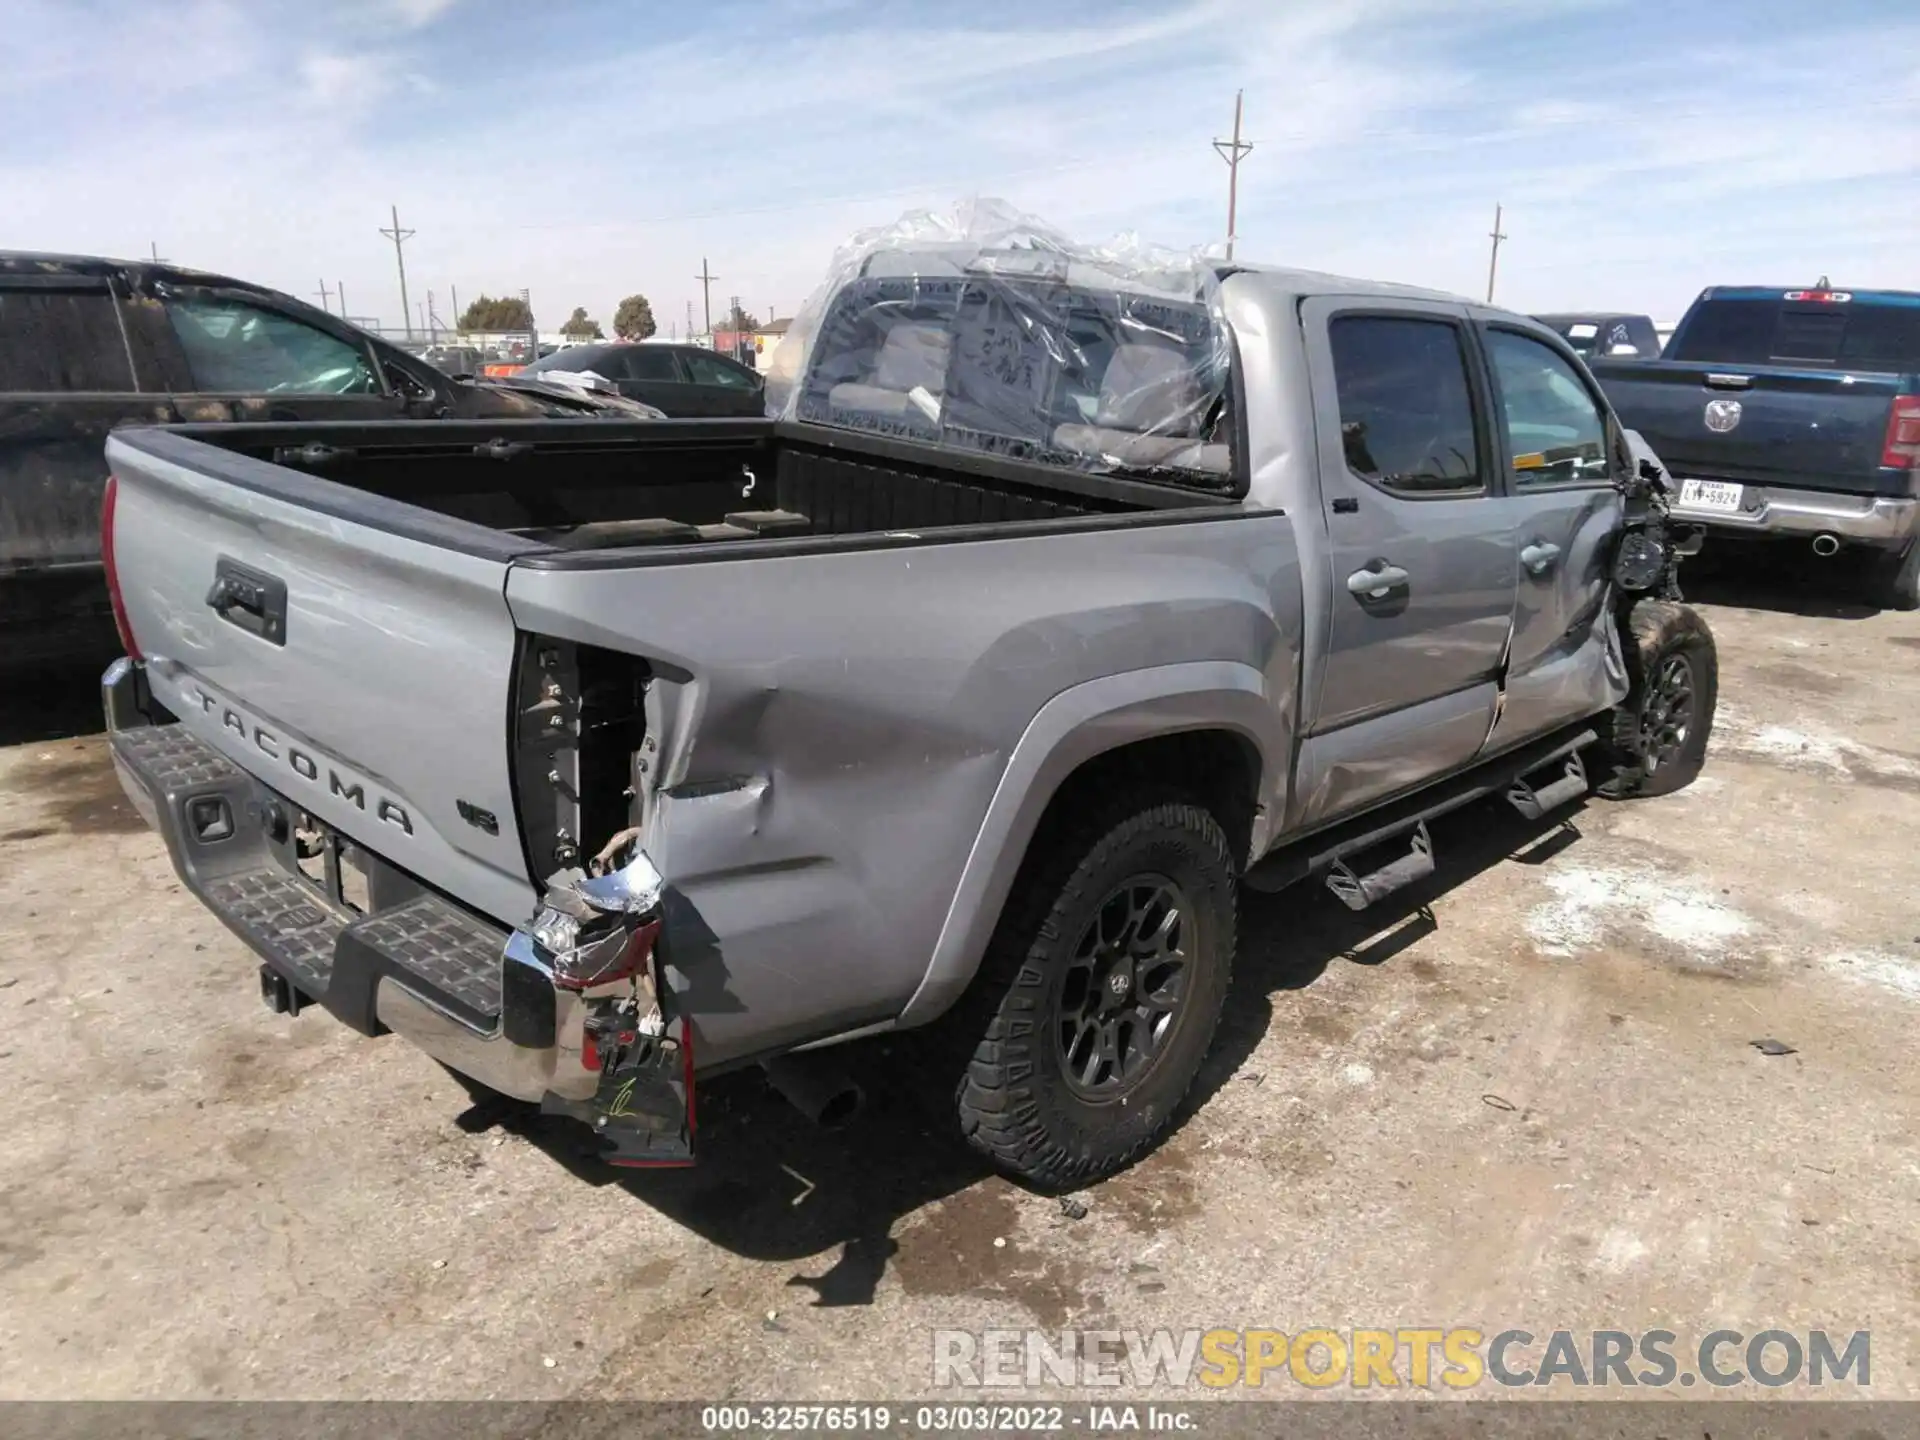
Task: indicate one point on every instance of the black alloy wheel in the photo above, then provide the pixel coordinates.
(1121, 993)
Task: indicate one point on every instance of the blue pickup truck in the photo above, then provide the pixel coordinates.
(1791, 413)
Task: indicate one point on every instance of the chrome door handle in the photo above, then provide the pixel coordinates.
(1376, 584)
(1539, 558)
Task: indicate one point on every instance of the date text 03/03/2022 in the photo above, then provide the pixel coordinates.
(942, 1419)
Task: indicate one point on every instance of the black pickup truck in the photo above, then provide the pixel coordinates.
(1791, 414)
(88, 344)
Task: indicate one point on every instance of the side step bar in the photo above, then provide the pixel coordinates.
(1320, 852)
(1533, 803)
(1357, 892)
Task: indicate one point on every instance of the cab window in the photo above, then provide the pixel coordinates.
(233, 347)
(1556, 431)
(54, 340)
(709, 370)
(1406, 405)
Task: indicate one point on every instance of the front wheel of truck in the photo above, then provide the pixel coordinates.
(1101, 990)
(1659, 732)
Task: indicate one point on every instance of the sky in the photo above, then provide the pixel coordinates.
(588, 149)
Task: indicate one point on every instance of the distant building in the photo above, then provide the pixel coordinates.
(766, 339)
(749, 347)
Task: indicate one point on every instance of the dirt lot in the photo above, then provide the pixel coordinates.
(1527, 1097)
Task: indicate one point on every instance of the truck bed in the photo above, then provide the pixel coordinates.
(657, 486)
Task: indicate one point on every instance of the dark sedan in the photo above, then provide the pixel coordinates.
(682, 380)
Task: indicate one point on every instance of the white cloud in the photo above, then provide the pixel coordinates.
(589, 161)
(420, 13)
(333, 79)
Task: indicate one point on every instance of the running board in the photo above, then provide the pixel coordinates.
(1318, 852)
(1534, 802)
(1358, 891)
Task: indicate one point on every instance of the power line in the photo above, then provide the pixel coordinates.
(399, 238)
(1233, 152)
(1493, 261)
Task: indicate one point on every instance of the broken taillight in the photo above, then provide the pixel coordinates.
(1902, 450)
(597, 930)
(108, 502)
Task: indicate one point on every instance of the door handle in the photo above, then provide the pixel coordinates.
(1539, 557)
(1377, 584)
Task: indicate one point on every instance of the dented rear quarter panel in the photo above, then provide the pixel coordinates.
(836, 807)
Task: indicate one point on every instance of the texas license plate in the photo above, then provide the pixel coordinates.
(1710, 495)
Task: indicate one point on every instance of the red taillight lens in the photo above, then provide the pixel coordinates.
(1902, 450)
(120, 622)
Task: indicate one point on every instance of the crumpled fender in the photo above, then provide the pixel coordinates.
(1075, 726)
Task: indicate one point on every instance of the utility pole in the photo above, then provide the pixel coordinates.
(1233, 152)
(1493, 261)
(706, 295)
(153, 249)
(420, 306)
(454, 290)
(340, 289)
(400, 237)
(689, 320)
(323, 292)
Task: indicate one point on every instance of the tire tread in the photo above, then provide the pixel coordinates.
(998, 1112)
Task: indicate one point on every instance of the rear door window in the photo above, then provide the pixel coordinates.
(59, 340)
(233, 347)
(652, 362)
(1406, 404)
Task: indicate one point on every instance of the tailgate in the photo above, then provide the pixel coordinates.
(357, 657)
(1800, 429)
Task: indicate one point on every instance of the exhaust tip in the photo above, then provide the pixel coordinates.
(816, 1089)
(840, 1108)
(1826, 546)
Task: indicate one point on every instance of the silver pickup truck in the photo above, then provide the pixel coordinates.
(1057, 603)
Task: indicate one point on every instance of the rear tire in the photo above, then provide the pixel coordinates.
(1101, 990)
(1660, 731)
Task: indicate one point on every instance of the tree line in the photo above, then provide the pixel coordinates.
(632, 319)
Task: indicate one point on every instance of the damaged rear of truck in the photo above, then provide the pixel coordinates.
(597, 759)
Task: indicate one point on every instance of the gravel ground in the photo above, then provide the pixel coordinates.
(1525, 1096)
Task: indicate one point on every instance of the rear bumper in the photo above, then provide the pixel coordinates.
(456, 985)
(1771, 510)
